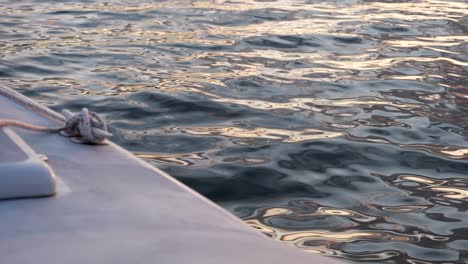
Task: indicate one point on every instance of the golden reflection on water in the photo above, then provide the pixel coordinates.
(316, 240)
(456, 153)
(402, 63)
(445, 188)
(451, 192)
(405, 208)
(299, 237)
(310, 104)
(183, 159)
(348, 236)
(287, 136)
(433, 42)
(320, 210)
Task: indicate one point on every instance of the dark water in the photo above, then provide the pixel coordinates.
(338, 127)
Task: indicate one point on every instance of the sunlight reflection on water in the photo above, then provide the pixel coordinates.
(335, 126)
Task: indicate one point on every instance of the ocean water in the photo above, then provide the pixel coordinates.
(338, 127)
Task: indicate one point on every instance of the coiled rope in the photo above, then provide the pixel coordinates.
(85, 127)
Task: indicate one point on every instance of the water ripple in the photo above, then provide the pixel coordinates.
(338, 127)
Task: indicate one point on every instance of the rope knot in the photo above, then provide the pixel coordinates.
(85, 127)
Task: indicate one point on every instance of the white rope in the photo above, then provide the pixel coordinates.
(85, 127)
(7, 122)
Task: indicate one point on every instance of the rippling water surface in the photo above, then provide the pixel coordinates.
(338, 127)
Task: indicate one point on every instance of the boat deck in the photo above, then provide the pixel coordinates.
(112, 207)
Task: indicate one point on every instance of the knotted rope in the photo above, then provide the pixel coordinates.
(84, 127)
